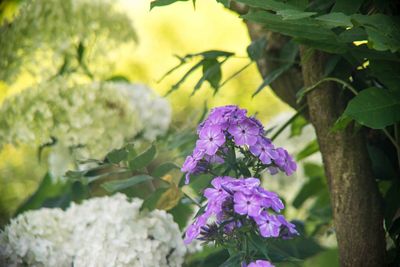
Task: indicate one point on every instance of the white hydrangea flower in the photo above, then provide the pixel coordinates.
(107, 231)
(91, 118)
(87, 119)
(35, 238)
(153, 110)
(44, 33)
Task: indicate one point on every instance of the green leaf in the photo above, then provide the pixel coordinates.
(46, 189)
(297, 126)
(341, 123)
(259, 244)
(292, 14)
(151, 201)
(118, 78)
(306, 27)
(375, 108)
(184, 77)
(387, 73)
(211, 73)
(333, 20)
(117, 155)
(156, 3)
(383, 31)
(271, 77)
(143, 159)
(353, 35)
(346, 6)
(213, 54)
(256, 49)
(119, 185)
(268, 4)
(163, 169)
(310, 149)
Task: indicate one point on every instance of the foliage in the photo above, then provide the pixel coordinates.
(66, 34)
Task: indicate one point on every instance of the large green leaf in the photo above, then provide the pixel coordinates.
(293, 14)
(375, 107)
(305, 28)
(383, 31)
(333, 20)
(386, 73)
(269, 4)
(119, 185)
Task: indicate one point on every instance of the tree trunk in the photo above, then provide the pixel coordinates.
(355, 199)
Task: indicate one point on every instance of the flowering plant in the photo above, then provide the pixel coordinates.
(239, 212)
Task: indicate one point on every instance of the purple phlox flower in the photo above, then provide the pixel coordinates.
(244, 132)
(212, 194)
(285, 162)
(191, 164)
(270, 199)
(264, 150)
(211, 138)
(247, 204)
(273, 170)
(191, 233)
(260, 263)
(259, 124)
(288, 229)
(236, 115)
(268, 225)
(246, 186)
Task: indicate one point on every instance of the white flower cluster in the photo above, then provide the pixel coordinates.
(107, 231)
(154, 111)
(91, 118)
(45, 34)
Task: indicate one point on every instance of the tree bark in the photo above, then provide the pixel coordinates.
(355, 199)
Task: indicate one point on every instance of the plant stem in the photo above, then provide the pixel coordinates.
(283, 127)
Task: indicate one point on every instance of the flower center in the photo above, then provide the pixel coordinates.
(243, 131)
(211, 139)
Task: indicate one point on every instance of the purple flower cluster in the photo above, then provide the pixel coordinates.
(234, 203)
(231, 123)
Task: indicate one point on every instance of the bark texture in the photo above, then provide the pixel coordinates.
(356, 203)
(355, 199)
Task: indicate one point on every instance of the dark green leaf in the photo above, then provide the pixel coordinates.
(269, 4)
(272, 76)
(375, 108)
(256, 49)
(310, 149)
(353, 35)
(184, 77)
(346, 6)
(118, 78)
(387, 73)
(292, 14)
(214, 54)
(117, 155)
(150, 202)
(211, 73)
(332, 20)
(381, 164)
(143, 159)
(164, 168)
(156, 3)
(119, 185)
(80, 52)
